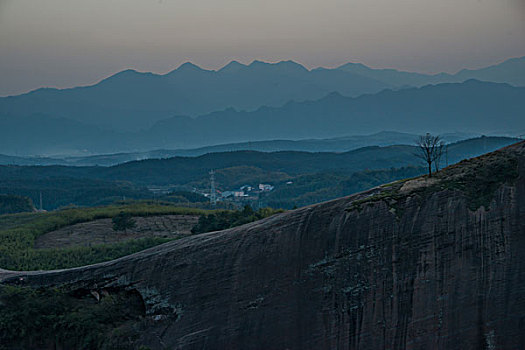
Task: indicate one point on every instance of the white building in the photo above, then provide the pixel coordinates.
(265, 187)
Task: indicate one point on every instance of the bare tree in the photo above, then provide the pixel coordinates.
(438, 153)
(430, 149)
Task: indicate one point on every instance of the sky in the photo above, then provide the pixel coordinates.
(65, 43)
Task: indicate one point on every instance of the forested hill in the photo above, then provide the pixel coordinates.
(180, 169)
(314, 176)
(177, 170)
(338, 144)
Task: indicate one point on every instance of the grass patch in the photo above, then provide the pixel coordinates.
(19, 231)
(50, 259)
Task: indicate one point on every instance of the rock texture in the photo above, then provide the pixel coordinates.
(435, 266)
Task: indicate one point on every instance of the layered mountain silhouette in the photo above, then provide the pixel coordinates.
(339, 144)
(472, 107)
(511, 71)
(131, 100)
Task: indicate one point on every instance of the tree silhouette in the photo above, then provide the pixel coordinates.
(430, 149)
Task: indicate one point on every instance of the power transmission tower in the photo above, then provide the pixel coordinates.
(213, 192)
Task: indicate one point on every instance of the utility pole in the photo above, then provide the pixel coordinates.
(213, 192)
(41, 201)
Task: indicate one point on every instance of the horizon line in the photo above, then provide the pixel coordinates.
(254, 61)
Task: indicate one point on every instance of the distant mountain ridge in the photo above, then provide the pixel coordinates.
(473, 107)
(131, 100)
(511, 71)
(340, 144)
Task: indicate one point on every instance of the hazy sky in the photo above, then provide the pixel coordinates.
(64, 43)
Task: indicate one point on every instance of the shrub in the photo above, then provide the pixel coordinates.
(123, 221)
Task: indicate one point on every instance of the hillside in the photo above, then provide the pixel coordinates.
(419, 263)
(470, 107)
(10, 204)
(339, 144)
(73, 237)
(321, 175)
(183, 169)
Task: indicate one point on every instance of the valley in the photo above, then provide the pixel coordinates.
(298, 178)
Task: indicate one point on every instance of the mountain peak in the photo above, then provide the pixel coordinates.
(189, 66)
(232, 66)
(291, 64)
(126, 73)
(333, 96)
(258, 63)
(288, 65)
(354, 65)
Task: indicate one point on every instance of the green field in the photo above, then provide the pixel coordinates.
(18, 233)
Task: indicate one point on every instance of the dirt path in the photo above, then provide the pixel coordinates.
(101, 231)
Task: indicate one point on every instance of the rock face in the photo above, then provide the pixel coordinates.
(437, 265)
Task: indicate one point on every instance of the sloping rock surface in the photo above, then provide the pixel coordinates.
(435, 266)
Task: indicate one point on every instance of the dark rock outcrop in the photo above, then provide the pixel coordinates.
(427, 263)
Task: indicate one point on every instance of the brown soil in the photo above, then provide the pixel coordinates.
(417, 183)
(101, 231)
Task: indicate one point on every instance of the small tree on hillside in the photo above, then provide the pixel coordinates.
(439, 152)
(430, 149)
(123, 221)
